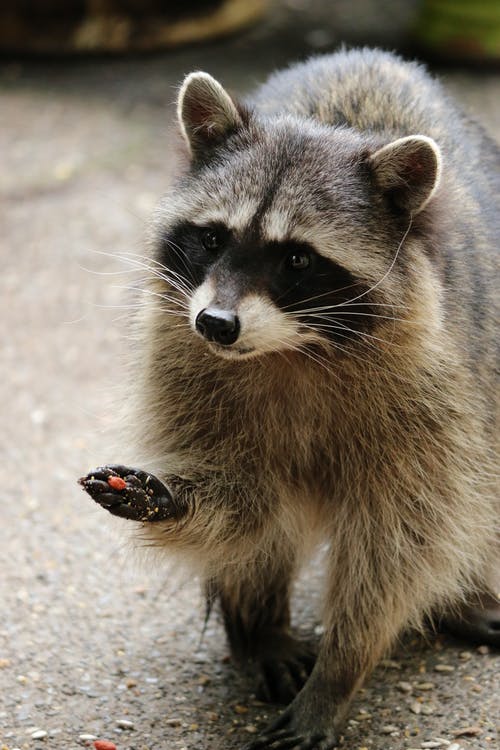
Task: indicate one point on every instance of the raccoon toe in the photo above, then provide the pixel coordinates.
(281, 675)
(284, 739)
(278, 740)
(301, 726)
(129, 493)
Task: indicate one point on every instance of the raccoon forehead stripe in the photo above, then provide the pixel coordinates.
(237, 216)
(275, 225)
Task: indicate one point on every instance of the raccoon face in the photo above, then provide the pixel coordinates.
(251, 294)
(284, 231)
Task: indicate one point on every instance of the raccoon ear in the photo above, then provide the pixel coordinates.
(408, 171)
(206, 112)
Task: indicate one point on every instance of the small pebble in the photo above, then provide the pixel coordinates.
(428, 709)
(444, 668)
(241, 709)
(416, 707)
(454, 746)
(390, 664)
(173, 722)
(425, 686)
(465, 655)
(124, 724)
(404, 687)
(389, 729)
(212, 716)
(39, 734)
(250, 729)
(432, 743)
(87, 737)
(483, 650)
(467, 732)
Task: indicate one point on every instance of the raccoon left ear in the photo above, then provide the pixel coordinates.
(206, 112)
(408, 170)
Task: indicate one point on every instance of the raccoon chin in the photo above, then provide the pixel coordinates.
(233, 352)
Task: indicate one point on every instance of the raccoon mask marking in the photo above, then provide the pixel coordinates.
(285, 233)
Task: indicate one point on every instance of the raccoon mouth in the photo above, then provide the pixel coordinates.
(232, 352)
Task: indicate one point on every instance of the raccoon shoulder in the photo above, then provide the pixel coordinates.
(372, 91)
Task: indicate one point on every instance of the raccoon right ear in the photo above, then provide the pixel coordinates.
(408, 170)
(206, 112)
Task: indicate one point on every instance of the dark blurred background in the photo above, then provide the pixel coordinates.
(448, 29)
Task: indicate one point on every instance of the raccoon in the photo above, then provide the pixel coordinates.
(317, 366)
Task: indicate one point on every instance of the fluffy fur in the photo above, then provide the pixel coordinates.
(379, 439)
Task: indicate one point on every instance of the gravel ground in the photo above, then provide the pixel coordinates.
(97, 639)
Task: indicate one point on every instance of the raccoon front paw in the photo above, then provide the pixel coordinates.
(283, 669)
(130, 493)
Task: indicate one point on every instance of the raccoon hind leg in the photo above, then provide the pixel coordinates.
(477, 621)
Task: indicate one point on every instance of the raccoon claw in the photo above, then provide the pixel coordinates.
(282, 735)
(283, 739)
(129, 493)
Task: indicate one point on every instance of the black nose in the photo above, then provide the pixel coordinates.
(221, 326)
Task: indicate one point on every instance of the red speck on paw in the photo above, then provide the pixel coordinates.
(104, 744)
(117, 483)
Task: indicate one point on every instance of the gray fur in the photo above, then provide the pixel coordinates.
(382, 446)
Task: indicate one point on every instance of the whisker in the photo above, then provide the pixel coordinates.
(183, 307)
(182, 256)
(167, 297)
(372, 315)
(367, 291)
(326, 308)
(106, 273)
(348, 313)
(342, 327)
(350, 352)
(170, 276)
(386, 274)
(136, 259)
(323, 294)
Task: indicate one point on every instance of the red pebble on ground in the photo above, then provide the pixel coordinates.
(104, 744)
(117, 483)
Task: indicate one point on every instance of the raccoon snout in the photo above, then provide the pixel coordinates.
(221, 326)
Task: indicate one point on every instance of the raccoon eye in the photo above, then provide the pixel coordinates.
(211, 240)
(299, 261)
